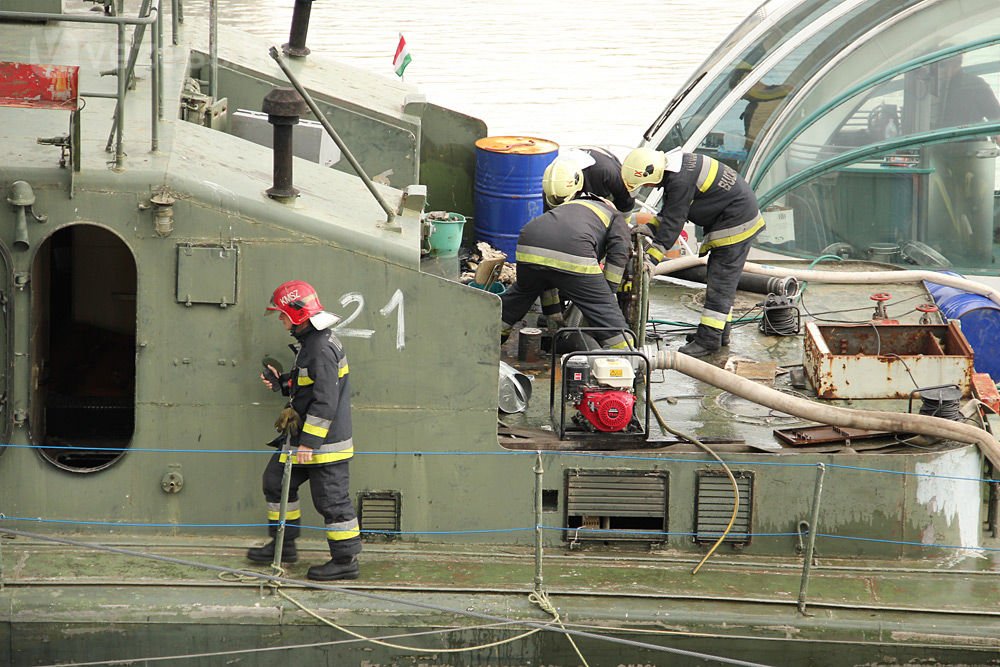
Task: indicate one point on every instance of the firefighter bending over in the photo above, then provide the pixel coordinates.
(562, 250)
(318, 423)
(717, 199)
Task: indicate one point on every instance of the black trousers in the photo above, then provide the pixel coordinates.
(725, 266)
(590, 292)
(329, 485)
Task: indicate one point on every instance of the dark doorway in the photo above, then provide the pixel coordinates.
(83, 348)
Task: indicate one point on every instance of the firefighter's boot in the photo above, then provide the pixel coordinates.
(726, 335)
(696, 349)
(345, 567)
(265, 554)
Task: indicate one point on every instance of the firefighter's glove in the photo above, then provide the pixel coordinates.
(555, 321)
(270, 376)
(644, 230)
(288, 422)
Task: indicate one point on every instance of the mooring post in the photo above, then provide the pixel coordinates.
(811, 544)
(538, 521)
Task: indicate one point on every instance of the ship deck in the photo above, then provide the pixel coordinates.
(199, 588)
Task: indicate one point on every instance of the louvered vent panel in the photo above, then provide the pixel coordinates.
(616, 505)
(714, 506)
(379, 512)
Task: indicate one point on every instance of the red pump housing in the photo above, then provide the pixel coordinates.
(608, 410)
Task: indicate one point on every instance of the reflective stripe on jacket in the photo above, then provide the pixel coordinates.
(321, 395)
(575, 236)
(711, 195)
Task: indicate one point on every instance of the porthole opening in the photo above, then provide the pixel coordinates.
(83, 292)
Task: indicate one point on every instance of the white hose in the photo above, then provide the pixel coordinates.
(822, 413)
(844, 277)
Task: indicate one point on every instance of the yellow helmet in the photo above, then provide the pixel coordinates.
(562, 180)
(643, 166)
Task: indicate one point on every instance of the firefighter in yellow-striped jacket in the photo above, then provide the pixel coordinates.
(717, 199)
(563, 249)
(319, 390)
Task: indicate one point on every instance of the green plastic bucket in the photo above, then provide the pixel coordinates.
(446, 235)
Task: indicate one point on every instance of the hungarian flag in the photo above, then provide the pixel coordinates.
(402, 57)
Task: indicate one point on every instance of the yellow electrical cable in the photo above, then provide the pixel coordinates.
(541, 598)
(732, 479)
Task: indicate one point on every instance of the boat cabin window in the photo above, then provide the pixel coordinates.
(83, 333)
(903, 171)
(735, 134)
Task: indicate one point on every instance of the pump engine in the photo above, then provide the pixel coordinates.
(602, 390)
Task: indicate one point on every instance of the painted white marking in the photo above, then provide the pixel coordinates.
(397, 302)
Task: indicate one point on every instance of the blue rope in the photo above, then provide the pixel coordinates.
(597, 455)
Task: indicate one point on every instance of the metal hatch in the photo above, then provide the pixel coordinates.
(611, 505)
(206, 274)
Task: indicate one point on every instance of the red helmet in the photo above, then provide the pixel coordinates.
(297, 299)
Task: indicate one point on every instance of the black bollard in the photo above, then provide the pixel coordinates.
(296, 46)
(283, 107)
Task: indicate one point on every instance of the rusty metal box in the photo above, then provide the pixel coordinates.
(845, 361)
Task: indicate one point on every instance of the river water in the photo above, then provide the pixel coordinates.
(589, 72)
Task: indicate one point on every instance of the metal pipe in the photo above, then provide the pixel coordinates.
(286, 484)
(119, 123)
(538, 521)
(213, 49)
(811, 546)
(133, 57)
(296, 46)
(390, 215)
(154, 104)
(158, 88)
(77, 18)
(174, 20)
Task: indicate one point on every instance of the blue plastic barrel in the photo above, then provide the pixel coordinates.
(508, 190)
(980, 318)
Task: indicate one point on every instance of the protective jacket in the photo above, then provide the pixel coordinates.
(575, 236)
(604, 179)
(711, 195)
(320, 391)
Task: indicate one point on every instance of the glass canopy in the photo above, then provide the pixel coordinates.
(868, 128)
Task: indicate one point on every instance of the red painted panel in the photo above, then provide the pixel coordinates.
(38, 86)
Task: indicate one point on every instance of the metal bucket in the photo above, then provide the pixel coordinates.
(446, 235)
(508, 190)
(980, 319)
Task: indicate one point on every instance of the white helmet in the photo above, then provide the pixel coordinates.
(643, 166)
(562, 180)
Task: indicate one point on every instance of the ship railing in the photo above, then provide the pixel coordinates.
(147, 15)
(806, 533)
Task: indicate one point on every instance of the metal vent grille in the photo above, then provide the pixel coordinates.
(379, 512)
(609, 505)
(714, 506)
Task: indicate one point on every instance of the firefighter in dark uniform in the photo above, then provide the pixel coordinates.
(562, 250)
(717, 199)
(320, 439)
(604, 178)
